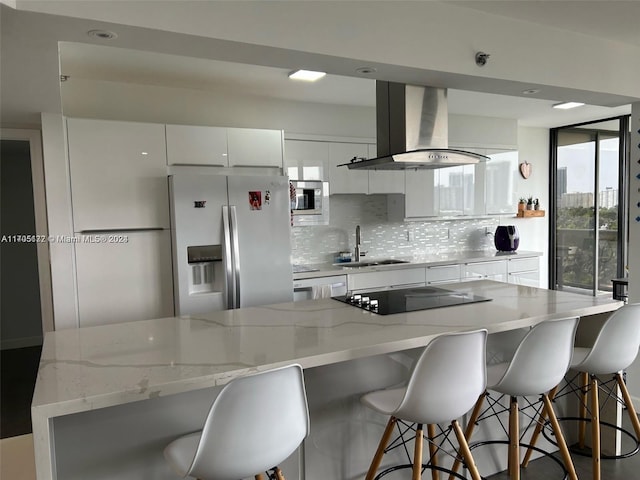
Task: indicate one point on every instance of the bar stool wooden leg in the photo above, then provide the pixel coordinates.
(582, 413)
(562, 444)
(595, 429)
(466, 453)
(629, 404)
(279, 475)
(433, 450)
(417, 454)
(469, 430)
(377, 458)
(538, 430)
(514, 440)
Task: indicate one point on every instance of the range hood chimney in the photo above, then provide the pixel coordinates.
(413, 130)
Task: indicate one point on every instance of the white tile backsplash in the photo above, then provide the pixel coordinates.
(381, 238)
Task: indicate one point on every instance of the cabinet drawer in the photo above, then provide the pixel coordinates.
(386, 279)
(496, 270)
(441, 273)
(523, 264)
(530, 278)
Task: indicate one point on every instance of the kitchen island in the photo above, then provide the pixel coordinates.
(108, 398)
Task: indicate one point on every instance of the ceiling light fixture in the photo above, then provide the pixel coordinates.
(366, 70)
(307, 75)
(567, 105)
(102, 34)
(531, 91)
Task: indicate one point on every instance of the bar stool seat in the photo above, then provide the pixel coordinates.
(614, 350)
(254, 424)
(538, 364)
(445, 381)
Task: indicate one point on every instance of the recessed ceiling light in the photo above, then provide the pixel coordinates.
(568, 105)
(102, 34)
(308, 75)
(366, 70)
(531, 91)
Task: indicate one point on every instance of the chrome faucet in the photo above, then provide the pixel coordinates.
(356, 253)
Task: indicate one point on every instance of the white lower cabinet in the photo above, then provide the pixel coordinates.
(439, 274)
(125, 277)
(524, 271)
(491, 270)
(408, 277)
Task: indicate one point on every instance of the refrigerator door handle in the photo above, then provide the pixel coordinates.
(236, 254)
(228, 259)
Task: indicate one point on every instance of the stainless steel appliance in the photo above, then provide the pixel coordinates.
(309, 202)
(231, 242)
(413, 130)
(387, 302)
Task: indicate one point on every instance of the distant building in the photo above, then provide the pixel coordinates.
(608, 198)
(576, 199)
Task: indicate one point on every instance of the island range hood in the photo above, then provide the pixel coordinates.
(412, 131)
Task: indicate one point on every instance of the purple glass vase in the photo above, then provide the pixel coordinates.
(506, 238)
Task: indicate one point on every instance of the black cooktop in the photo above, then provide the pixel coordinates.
(387, 302)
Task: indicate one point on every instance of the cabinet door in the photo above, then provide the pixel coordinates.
(443, 274)
(388, 278)
(125, 280)
(421, 196)
(251, 147)
(118, 175)
(492, 270)
(195, 145)
(501, 178)
(306, 160)
(341, 179)
(384, 181)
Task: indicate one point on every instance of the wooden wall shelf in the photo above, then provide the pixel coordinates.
(530, 213)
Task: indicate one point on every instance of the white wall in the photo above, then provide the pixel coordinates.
(533, 146)
(633, 373)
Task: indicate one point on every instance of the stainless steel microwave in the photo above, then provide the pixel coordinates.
(309, 202)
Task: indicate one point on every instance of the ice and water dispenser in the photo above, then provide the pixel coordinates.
(206, 269)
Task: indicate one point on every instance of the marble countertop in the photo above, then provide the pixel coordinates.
(327, 269)
(97, 367)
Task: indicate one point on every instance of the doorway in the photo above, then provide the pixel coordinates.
(589, 172)
(25, 281)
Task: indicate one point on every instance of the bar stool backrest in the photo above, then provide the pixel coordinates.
(254, 424)
(616, 345)
(447, 379)
(541, 359)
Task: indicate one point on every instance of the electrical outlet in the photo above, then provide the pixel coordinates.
(409, 236)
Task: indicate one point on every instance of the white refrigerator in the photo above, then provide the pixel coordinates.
(231, 242)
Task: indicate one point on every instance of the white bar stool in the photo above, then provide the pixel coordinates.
(254, 424)
(444, 384)
(539, 364)
(614, 350)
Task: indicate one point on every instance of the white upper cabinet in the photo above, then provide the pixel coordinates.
(196, 145)
(306, 160)
(252, 147)
(384, 181)
(341, 179)
(501, 178)
(118, 175)
(421, 197)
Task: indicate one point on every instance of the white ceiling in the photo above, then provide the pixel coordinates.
(98, 62)
(615, 20)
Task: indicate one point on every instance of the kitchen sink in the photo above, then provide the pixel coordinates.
(372, 263)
